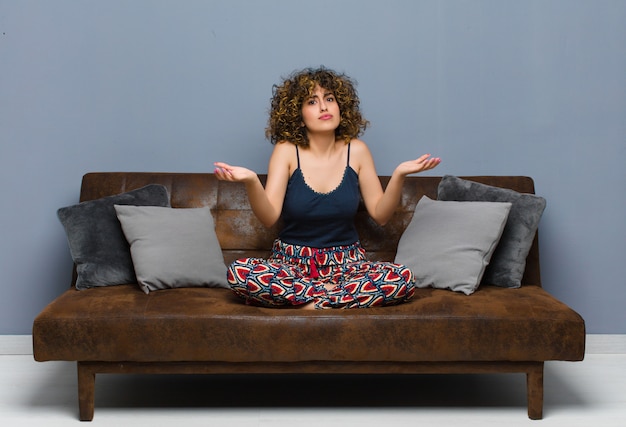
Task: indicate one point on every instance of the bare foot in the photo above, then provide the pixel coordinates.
(307, 306)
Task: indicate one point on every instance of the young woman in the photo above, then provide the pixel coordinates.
(317, 174)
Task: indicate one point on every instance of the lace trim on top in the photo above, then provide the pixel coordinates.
(322, 193)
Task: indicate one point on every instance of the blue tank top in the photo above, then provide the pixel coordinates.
(320, 220)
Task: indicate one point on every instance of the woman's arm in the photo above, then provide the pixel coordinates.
(266, 203)
(382, 204)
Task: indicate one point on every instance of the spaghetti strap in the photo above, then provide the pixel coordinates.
(348, 164)
(298, 156)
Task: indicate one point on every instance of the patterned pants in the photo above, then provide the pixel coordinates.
(337, 277)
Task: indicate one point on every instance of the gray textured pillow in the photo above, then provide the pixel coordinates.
(173, 248)
(447, 245)
(97, 243)
(508, 263)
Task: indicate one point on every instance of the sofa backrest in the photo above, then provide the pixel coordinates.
(242, 235)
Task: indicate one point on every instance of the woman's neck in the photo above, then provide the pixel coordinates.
(322, 145)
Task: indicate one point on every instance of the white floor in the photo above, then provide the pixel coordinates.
(591, 393)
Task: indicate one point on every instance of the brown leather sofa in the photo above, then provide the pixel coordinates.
(120, 329)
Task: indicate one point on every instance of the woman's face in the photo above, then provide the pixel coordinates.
(320, 112)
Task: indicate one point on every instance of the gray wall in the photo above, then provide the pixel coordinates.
(493, 87)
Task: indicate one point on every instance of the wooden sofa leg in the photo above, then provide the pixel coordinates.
(534, 390)
(86, 391)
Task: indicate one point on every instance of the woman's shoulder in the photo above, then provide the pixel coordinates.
(359, 150)
(355, 142)
(284, 148)
(284, 156)
(361, 158)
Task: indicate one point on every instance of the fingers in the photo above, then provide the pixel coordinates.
(433, 162)
(428, 158)
(422, 163)
(222, 165)
(427, 162)
(223, 171)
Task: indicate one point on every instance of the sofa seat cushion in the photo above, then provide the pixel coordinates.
(209, 324)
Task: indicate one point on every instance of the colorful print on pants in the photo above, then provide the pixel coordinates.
(337, 277)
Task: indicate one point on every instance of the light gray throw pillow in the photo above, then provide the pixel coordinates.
(508, 262)
(447, 245)
(97, 244)
(173, 248)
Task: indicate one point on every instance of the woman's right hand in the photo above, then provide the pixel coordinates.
(226, 172)
(266, 211)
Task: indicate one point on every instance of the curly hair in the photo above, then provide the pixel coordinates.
(285, 120)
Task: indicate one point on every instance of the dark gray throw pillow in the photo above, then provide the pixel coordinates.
(97, 244)
(508, 262)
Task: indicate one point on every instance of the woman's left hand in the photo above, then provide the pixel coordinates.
(421, 164)
(226, 172)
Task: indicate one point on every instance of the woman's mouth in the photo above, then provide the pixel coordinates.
(326, 117)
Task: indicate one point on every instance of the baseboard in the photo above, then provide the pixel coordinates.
(16, 345)
(605, 344)
(596, 344)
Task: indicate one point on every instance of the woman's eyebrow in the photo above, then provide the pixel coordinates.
(325, 95)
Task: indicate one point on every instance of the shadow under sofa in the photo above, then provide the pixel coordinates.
(121, 329)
